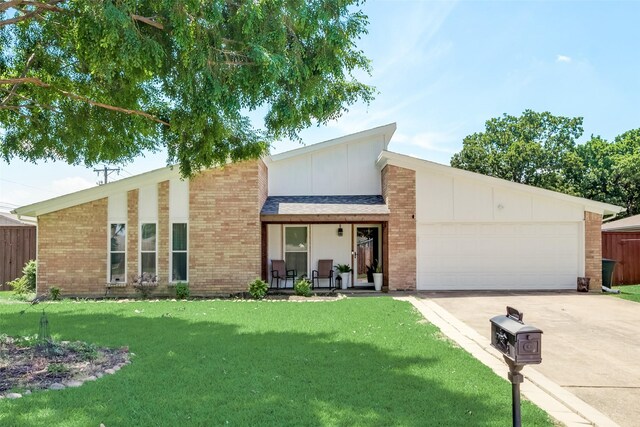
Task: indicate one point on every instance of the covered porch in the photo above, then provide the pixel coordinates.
(302, 230)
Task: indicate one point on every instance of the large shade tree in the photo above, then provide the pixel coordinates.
(609, 171)
(534, 149)
(102, 81)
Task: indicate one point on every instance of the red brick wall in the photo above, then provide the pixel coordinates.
(224, 228)
(72, 249)
(399, 192)
(593, 249)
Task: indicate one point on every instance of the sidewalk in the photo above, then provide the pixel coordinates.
(560, 403)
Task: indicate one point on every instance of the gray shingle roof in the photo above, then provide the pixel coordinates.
(631, 223)
(324, 205)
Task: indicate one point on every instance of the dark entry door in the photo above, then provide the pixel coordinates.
(367, 253)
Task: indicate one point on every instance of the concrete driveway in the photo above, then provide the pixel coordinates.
(590, 342)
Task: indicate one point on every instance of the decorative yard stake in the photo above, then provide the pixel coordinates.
(43, 332)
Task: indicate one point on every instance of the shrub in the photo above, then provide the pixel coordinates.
(258, 289)
(55, 293)
(303, 287)
(145, 284)
(84, 350)
(27, 283)
(182, 290)
(57, 368)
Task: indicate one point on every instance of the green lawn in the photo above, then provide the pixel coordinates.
(630, 292)
(360, 361)
(9, 296)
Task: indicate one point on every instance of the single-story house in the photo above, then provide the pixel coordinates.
(17, 247)
(350, 200)
(621, 243)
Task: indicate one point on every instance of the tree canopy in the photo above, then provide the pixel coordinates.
(532, 149)
(541, 149)
(102, 81)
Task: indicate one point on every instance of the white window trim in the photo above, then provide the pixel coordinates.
(126, 243)
(171, 251)
(140, 251)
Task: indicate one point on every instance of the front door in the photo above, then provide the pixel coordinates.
(367, 253)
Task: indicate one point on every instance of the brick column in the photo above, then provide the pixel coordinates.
(163, 233)
(132, 234)
(399, 192)
(225, 245)
(593, 249)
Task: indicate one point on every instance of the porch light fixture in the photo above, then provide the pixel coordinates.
(340, 231)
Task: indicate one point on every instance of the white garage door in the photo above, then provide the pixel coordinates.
(499, 256)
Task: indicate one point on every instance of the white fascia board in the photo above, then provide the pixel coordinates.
(401, 160)
(96, 193)
(386, 131)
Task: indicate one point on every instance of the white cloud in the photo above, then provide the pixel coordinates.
(563, 58)
(71, 184)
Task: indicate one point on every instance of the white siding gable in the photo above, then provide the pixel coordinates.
(448, 198)
(342, 169)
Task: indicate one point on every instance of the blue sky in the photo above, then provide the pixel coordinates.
(444, 68)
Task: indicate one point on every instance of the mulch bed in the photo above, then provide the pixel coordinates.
(29, 365)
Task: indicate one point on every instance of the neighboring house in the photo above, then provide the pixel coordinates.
(431, 227)
(17, 247)
(621, 242)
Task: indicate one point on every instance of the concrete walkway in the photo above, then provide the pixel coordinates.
(590, 372)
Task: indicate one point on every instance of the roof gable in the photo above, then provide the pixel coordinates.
(386, 131)
(99, 192)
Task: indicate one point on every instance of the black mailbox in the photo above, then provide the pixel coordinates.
(521, 343)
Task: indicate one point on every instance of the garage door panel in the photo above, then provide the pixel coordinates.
(498, 256)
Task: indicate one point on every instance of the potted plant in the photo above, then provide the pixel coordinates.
(344, 271)
(377, 278)
(371, 269)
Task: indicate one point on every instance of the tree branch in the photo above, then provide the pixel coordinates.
(49, 6)
(37, 82)
(8, 4)
(12, 92)
(147, 21)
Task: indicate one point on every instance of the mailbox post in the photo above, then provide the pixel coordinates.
(520, 345)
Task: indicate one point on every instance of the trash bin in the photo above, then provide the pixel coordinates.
(607, 272)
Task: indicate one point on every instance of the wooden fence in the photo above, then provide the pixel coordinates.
(17, 247)
(624, 248)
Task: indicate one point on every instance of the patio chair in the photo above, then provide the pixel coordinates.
(279, 272)
(324, 271)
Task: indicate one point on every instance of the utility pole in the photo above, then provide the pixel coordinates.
(106, 172)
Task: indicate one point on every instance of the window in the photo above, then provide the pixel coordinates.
(179, 252)
(117, 253)
(148, 251)
(296, 249)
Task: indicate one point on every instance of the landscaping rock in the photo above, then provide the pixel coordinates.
(109, 371)
(26, 392)
(73, 383)
(57, 386)
(99, 375)
(90, 378)
(13, 396)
